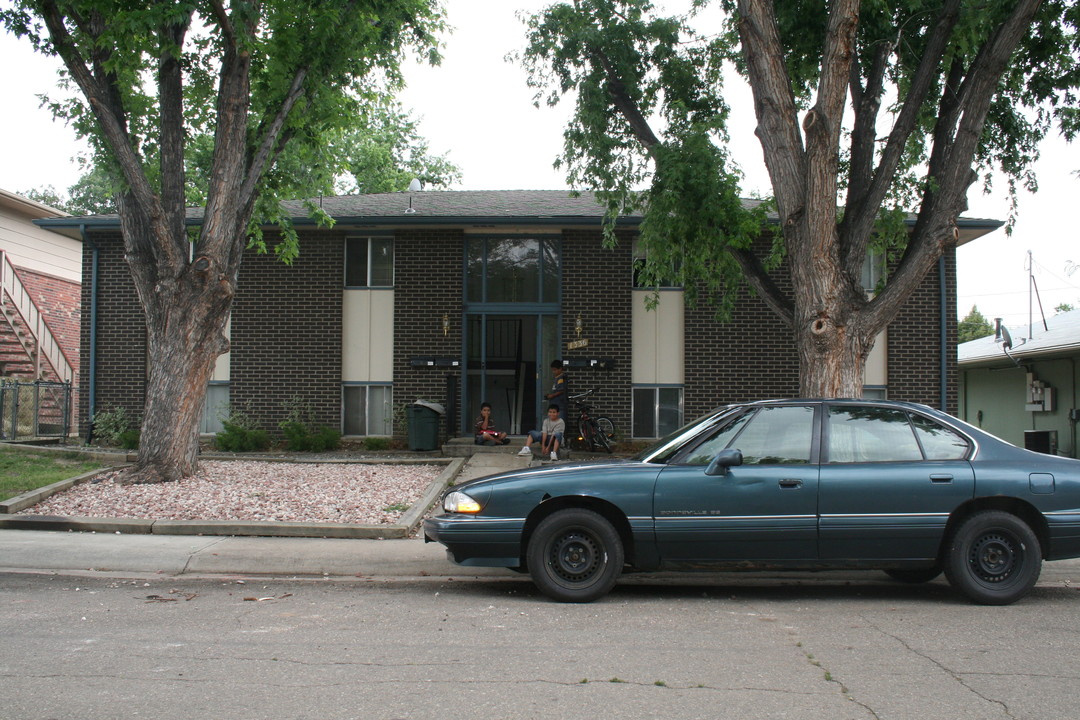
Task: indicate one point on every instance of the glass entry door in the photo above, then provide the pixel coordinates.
(507, 364)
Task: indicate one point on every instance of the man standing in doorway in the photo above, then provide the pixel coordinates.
(558, 395)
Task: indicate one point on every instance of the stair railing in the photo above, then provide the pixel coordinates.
(47, 346)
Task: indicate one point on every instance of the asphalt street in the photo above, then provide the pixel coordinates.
(829, 647)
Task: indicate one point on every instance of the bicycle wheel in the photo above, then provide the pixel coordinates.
(600, 438)
(606, 427)
(585, 432)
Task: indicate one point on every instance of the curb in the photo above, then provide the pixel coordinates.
(401, 529)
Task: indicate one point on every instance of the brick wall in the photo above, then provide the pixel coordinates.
(598, 285)
(121, 342)
(286, 332)
(58, 300)
(915, 343)
(752, 357)
(427, 284)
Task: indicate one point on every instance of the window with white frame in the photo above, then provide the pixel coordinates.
(657, 411)
(216, 408)
(369, 262)
(367, 410)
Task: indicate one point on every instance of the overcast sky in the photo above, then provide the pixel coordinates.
(477, 108)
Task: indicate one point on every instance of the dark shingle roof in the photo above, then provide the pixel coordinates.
(455, 207)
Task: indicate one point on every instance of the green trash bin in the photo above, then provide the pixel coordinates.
(424, 425)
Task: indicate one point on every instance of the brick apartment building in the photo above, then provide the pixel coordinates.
(460, 297)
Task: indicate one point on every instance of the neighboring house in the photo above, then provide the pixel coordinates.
(460, 297)
(40, 273)
(1021, 385)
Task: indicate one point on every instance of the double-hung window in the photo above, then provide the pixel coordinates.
(658, 411)
(369, 262)
(368, 409)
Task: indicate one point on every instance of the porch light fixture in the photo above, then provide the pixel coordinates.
(578, 325)
(445, 324)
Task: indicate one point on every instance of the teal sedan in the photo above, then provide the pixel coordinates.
(793, 484)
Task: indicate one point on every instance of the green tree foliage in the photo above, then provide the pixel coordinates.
(973, 326)
(1064, 307)
(250, 90)
(874, 118)
(382, 152)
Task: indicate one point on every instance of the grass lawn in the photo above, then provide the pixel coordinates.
(21, 471)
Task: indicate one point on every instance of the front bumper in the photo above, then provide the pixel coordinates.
(477, 541)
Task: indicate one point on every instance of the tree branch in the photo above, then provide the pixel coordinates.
(626, 105)
(946, 194)
(760, 280)
(172, 141)
(104, 103)
(859, 219)
(774, 106)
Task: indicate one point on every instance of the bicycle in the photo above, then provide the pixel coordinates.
(593, 432)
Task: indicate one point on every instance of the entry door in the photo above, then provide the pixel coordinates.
(505, 362)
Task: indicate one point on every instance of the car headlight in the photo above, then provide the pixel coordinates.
(459, 502)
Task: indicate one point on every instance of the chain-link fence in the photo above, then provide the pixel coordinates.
(34, 409)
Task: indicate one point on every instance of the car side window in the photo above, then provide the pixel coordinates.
(706, 451)
(939, 442)
(780, 435)
(871, 434)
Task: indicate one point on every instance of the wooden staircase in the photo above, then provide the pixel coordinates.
(28, 348)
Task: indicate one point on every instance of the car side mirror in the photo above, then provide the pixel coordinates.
(724, 460)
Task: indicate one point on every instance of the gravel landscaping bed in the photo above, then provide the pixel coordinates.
(247, 490)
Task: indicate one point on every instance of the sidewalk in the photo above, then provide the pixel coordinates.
(122, 554)
(113, 553)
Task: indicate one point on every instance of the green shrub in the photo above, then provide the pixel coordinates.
(111, 425)
(302, 438)
(129, 440)
(376, 443)
(241, 433)
(239, 438)
(302, 433)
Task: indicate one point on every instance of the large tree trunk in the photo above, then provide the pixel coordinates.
(182, 346)
(186, 305)
(830, 326)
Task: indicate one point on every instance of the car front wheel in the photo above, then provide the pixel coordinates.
(993, 558)
(575, 555)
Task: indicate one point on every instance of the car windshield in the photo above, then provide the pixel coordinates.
(661, 451)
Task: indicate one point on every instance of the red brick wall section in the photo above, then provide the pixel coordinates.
(58, 300)
(121, 338)
(286, 332)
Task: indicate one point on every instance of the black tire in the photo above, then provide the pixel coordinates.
(993, 558)
(575, 555)
(914, 576)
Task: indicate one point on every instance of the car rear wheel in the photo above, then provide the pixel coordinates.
(993, 558)
(914, 576)
(575, 555)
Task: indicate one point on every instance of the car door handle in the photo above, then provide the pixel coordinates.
(791, 483)
(941, 479)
